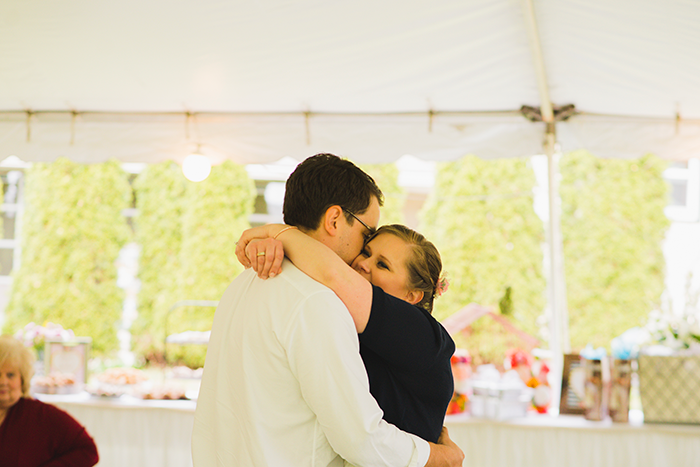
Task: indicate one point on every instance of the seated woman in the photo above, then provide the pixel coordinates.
(33, 433)
(389, 291)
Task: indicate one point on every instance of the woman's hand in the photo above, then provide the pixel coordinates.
(257, 249)
(265, 257)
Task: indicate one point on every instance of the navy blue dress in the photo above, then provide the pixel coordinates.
(407, 356)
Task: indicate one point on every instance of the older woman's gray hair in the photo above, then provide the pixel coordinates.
(13, 352)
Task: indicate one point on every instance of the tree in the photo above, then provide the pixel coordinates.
(72, 233)
(214, 214)
(613, 225)
(160, 197)
(387, 178)
(481, 217)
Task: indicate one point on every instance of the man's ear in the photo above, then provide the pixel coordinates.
(331, 220)
(414, 296)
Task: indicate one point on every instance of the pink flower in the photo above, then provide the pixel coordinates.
(442, 286)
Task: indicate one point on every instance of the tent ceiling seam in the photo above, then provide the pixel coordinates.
(429, 115)
(303, 114)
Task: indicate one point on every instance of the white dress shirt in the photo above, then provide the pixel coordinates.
(284, 384)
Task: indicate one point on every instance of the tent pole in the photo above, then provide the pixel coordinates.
(558, 319)
(553, 289)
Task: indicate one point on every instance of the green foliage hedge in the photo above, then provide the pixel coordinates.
(613, 225)
(188, 232)
(72, 233)
(387, 178)
(160, 196)
(480, 215)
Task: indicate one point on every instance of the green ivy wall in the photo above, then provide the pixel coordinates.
(480, 215)
(187, 232)
(613, 225)
(387, 178)
(160, 197)
(72, 233)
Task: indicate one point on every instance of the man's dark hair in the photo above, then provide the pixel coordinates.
(326, 180)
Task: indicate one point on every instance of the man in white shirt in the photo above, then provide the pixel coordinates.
(284, 384)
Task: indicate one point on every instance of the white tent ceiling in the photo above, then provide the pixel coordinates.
(258, 81)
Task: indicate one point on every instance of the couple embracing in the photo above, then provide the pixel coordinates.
(324, 351)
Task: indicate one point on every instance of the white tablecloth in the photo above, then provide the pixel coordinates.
(133, 433)
(130, 432)
(572, 441)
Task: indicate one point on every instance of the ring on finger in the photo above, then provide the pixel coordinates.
(260, 253)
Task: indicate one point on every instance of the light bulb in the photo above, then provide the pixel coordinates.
(196, 167)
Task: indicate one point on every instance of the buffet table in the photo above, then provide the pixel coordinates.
(134, 433)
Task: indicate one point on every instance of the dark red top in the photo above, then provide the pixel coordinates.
(36, 434)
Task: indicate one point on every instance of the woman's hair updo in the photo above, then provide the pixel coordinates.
(424, 266)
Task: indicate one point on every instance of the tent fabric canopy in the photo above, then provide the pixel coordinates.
(257, 81)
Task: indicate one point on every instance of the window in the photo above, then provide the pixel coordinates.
(12, 183)
(684, 178)
(268, 203)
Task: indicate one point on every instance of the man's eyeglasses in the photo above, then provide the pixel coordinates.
(370, 230)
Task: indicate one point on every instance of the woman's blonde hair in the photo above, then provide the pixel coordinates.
(13, 352)
(425, 265)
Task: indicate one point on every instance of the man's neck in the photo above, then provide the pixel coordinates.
(315, 234)
(320, 235)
